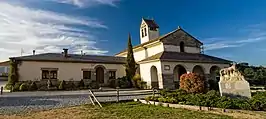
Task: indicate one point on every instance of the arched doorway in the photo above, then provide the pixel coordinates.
(178, 71)
(214, 73)
(198, 69)
(100, 75)
(154, 77)
(214, 78)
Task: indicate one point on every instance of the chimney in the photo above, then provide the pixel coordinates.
(81, 52)
(33, 52)
(65, 52)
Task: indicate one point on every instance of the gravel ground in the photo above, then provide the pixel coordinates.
(17, 105)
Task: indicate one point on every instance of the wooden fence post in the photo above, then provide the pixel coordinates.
(153, 94)
(2, 90)
(117, 94)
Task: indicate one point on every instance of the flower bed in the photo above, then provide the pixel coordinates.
(210, 99)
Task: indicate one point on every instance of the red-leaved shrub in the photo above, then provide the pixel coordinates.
(192, 83)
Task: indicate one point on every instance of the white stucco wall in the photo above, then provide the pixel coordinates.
(145, 72)
(152, 50)
(141, 53)
(173, 48)
(30, 70)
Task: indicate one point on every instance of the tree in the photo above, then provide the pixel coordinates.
(249, 73)
(12, 75)
(192, 83)
(130, 61)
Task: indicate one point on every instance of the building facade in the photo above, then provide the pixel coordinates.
(161, 61)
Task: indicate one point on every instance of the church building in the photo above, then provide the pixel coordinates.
(161, 60)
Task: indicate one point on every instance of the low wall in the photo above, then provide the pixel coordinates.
(189, 107)
(3, 78)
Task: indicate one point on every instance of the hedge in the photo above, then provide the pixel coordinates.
(211, 99)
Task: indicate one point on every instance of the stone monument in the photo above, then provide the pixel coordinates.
(233, 84)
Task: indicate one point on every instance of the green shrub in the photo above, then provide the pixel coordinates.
(33, 86)
(192, 83)
(211, 97)
(112, 83)
(16, 86)
(23, 87)
(70, 85)
(94, 85)
(224, 102)
(239, 103)
(152, 98)
(162, 99)
(81, 84)
(258, 101)
(123, 82)
(8, 86)
(62, 85)
(138, 83)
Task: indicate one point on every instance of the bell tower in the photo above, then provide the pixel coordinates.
(149, 30)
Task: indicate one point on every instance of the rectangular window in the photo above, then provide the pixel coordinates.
(142, 33)
(153, 29)
(145, 32)
(112, 74)
(86, 74)
(49, 74)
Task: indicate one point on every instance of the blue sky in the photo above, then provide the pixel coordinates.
(235, 30)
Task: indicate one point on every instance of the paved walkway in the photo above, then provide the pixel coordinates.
(19, 102)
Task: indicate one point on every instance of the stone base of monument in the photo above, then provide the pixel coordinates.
(235, 89)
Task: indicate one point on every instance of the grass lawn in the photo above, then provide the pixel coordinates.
(128, 110)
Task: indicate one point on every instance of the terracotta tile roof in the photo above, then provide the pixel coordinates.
(187, 57)
(151, 23)
(160, 39)
(5, 63)
(57, 57)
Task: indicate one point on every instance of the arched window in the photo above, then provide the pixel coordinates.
(142, 33)
(145, 32)
(182, 47)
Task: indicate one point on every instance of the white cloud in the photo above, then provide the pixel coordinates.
(85, 3)
(254, 33)
(46, 31)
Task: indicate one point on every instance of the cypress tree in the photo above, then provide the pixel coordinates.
(130, 62)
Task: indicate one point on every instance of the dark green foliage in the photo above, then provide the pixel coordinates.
(212, 99)
(131, 66)
(33, 86)
(124, 82)
(152, 98)
(24, 87)
(138, 83)
(258, 101)
(255, 75)
(94, 85)
(12, 75)
(70, 85)
(224, 102)
(81, 84)
(62, 85)
(16, 86)
(112, 83)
